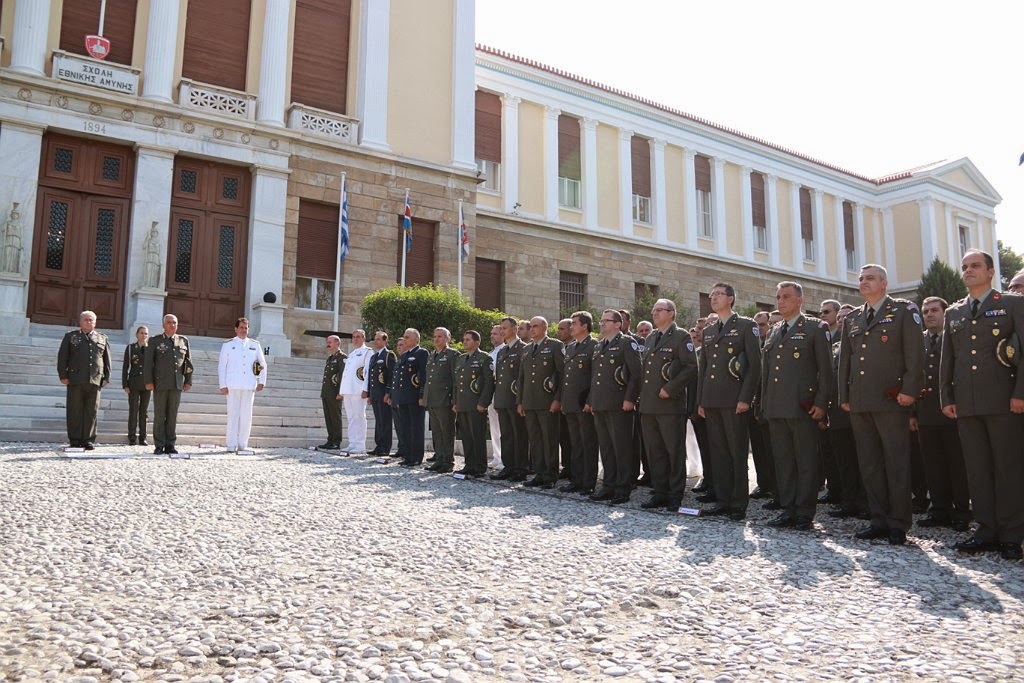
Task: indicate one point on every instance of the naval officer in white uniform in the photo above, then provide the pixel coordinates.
(242, 370)
(354, 392)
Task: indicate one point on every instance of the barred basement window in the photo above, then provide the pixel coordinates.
(314, 294)
(572, 290)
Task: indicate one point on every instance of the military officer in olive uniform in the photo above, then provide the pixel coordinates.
(881, 374)
(135, 386)
(983, 389)
(840, 433)
(438, 399)
(575, 397)
(329, 398)
(83, 365)
(730, 370)
(796, 381)
(406, 394)
(474, 388)
(668, 364)
(539, 400)
(168, 371)
(614, 390)
(515, 448)
(382, 364)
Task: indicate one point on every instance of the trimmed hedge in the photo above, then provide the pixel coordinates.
(425, 307)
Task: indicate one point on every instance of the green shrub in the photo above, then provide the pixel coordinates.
(396, 308)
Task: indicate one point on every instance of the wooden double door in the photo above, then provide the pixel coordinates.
(207, 246)
(80, 243)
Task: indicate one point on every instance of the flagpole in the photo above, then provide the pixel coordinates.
(405, 237)
(103, 14)
(337, 262)
(458, 244)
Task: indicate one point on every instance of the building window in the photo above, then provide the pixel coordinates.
(490, 285)
(216, 49)
(320, 54)
(965, 239)
(488, 139)
(420, 260)
(758, 213)
(702, 177)
(572, 291)
(849, 237)
(79, 19)
(569, 162)
(640, 160)
(643, 290)
(316, 254)
(705, 305)
(807, 223)
(641, 209)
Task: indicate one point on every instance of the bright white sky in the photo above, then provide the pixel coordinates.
(872, 86)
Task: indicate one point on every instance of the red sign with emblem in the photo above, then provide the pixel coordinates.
(98, 47)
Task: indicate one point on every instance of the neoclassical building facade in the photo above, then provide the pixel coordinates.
(197, 170)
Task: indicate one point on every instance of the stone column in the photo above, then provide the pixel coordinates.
(858, 235)
(372, 88)
(818, 206)
(659, 191)
(797, 237)
(147, 242)
(690, 192)
(719, 225)
(266, 257)
(21, 149)
(463, 85)
(889, 238)
(626, 181)
(841, 271)
(161, 50)
(747, 215)
(590, 201)
(952, 238)
(28, 44)
(771, 201)
(926, 211)
(273, 64)
(551, 163)
(510, 152)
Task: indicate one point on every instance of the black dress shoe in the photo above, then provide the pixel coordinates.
(501, 476)
(644, 480)
(143, 442)
(783, 521)
(584, 491)
(842, 513)
(158, 450)
(408, 463)
(436, 467)
(737, 515)
(603, 494)
(517, 476)
(803, 523)
(715, 510)
(897, 537)
(871, 533)
(975, 545)
(701, 487)
(327, 446)
(170, 450)
(934, 520)
(131, 442)
(672, 504)
(536, 481)
(465, 472)
(959, 525)
(773, 504)
(566, 473)
(1011, 551)
(919, 506)
(618, 500)
(432, 458)
(707, 498)
(827, 499)
(654, 502)
(569, 488)
(758, 493)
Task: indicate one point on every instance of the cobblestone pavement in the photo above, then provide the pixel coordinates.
(297, 565)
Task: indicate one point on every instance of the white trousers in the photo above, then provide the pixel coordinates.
(355, 414)
(492, 418)
(239, 418)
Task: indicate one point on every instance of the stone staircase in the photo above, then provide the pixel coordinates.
(32, 399)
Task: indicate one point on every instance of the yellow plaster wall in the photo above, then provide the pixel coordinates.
(906, 218)
(573, 216)
(420, 79)
(257, 19)
(960, 178)
(941, 237)
(491, 201)
(608, 178)
(831, 232)
(531, 158)
(785, 222)
(734, 226)
(7, 29)
(675, 191)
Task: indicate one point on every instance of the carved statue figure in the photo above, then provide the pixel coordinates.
(151, 265)
(12, 242)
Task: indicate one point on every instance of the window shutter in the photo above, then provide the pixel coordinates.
(489, 286)
(318, 240)
(419, 264)
(757, 200)
(217, 42)
(806, 224)
(641, 157)
(488, 126)
(702, 173)
(569, 147)
(851, 242)
(81, 18)
(320, 53)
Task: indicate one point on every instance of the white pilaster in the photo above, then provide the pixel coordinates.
(889, 238)
(510, 151)
(840, 252)
(551, 163)
(746, 215)
(690, 192)
(858, 235)
(796, 235)
(266, 256)
(952, 239)
(151, 207)
(719, 225)
(659, 190)
(626, 181)
(28, 44)
(818, 206)
(771, 201)
(589, 133)
(463, 98)
(273, 64)
(20, 148)
(926, 211)
(876, 220)
(161, 48)
(372, 88)
(994, 241)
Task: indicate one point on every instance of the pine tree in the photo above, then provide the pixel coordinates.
(942, 281)
(1010, 263)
